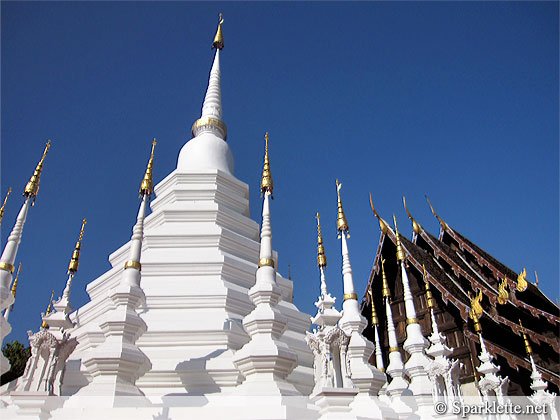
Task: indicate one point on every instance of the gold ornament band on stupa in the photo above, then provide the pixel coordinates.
(7, 267)
(392, 349)
(263, 262)
(208, 122)
(133, 264)
(348, 296)
(411, 321)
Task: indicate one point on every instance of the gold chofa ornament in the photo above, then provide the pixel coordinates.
(522, 281)
(503, 294)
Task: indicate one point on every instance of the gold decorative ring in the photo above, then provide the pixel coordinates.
(348, 296)
(392, 349)
(266, 262)
(7, 267)
(411, 321)
(209, 121)
(133, 264)
(381, 370)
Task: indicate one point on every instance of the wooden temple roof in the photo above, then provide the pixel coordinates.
(455, 268)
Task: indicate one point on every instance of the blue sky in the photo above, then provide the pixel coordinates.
(457, 100)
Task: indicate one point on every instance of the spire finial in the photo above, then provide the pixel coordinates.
(218, 42)
(429, 296)
(386, 290)
(4, 205)
(266, 182)
(415, 226)
(75, 261)
(341, 223)
(382, 223)
(32, 187)
(528, 348)
(147, 185)
(536, 279)
(476, 311)
(289, 272)
(374, 318)
(14, 287)
(441, 222)
(400, 253)
(321, 257)
(49, 308)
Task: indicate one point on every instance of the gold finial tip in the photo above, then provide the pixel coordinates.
(218, 42)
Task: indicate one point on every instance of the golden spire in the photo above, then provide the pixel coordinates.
(75, 261)
(503, 294)
(382, 223)
(14, 287)
(528, 348)
(32, 187)
(374, 319)
(341, 223)
(147, 185)
(49, 308)
(4, 205)
(536, 279)
(266, 181)
(415, 226)
(429, 296)
(386, 291)
(218, 42)
(441, 222)
(400, 252)
(321, 257)
(522, 281)
(476, 311)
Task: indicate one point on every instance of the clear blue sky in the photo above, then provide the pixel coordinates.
(456, 100)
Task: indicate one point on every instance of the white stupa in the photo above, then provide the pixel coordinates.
(199, 257)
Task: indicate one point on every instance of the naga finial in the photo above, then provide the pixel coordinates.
(415, 226)
(522, 281)
(476, 310)
(382, 223)
(503, 294)
(536, 279)
(441, 222)
(218, 42)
